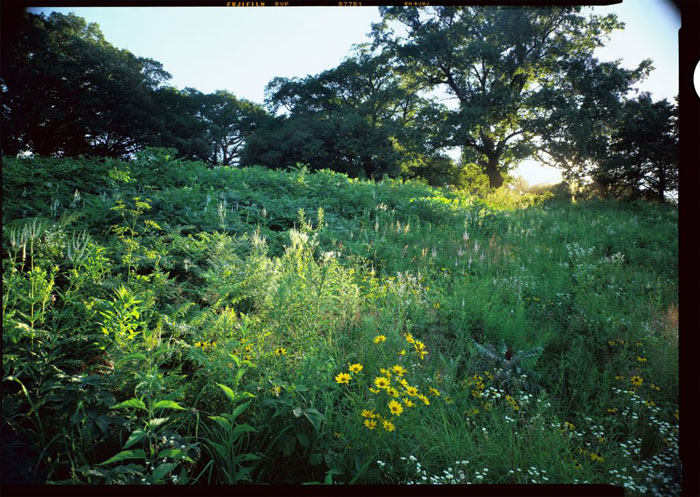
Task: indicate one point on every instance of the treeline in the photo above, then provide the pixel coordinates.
(524, 82)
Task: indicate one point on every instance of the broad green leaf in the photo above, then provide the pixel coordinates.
(229, 393)
(136, 403)
(155, 422)
(221, 420)
(167, 404)
(135, 436)
(162, 470)
(125, 454)
(239, 409)
(175, 454)
(244, 428)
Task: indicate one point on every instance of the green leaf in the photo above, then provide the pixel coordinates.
(229, 393)
(221, 420)
(135, 436)
(239, 409)
(303, 439)
(136, 403)
(167, 404)
(244, 428)
(125, 454)
(162, 470)
(175, 454)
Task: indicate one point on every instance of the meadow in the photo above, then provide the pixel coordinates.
(169, 323)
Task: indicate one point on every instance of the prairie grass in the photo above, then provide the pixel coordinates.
(170, 323)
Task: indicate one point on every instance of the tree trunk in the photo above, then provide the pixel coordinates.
(495, 176)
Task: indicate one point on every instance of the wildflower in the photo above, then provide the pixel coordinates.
(612, 410)
(281, 351)
(639, 344)
(409, 338)
(342, 378)
(641, 359)
(408, 402)
(337, 434)
(448, 400)
(366, 413)
(618, 377)
(434, 391)
(403, 383)
(487, 406)
(385, 372)
(276, 390)
(424, 399)
(403, 352)
(373, 390)
(399, 370)
(412, 391)
(476, 394)
(355, 368)
(198, 344)
(422, 354)
(649, 403)
(601, 440)
(370, 423)
(473, 412)
(388, 425)
(392, 391)
(395, 407)
(488, 375)
(577, 465)
(611, 342)
(381, 382)
(418, 345)
(595, 457)
(655, 387)
(379, 339)
(637, 381)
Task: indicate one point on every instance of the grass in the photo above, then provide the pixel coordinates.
(168, 323)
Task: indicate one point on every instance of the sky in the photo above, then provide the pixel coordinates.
(241, 49)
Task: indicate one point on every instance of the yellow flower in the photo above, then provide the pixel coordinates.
(343, 378)
(476, 394)
(381, 382)
(379, 339)
(403, 352)
(409, 338)
(639, 344)
(649, 403)
(424, 399)
(198, 344)
(641, 359)
(676, 415)
(612, 410)
(403, 382)
(570, 426)
(388, 425)
(418, 345)
(448, 400)
(276, 390)
(395, 407)
(611, 342)
(488, 375)
(370, 423)
(596, 457)
(398, 370)
(337, 434)
(385, 372)
(392, 391)
(280, 351)
(636, 381)
(618, 377)
(655, 387)
(408, 402)
(355, 368)
(412, 391)
(366, 413)
(434, 391)
(487, 406)
(373, 390)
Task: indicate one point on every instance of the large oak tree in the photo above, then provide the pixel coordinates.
(511, 69)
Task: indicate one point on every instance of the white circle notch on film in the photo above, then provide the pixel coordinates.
(696, 79)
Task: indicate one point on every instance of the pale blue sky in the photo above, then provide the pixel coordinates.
(242, 49)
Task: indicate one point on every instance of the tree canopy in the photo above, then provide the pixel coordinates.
(524, 82)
